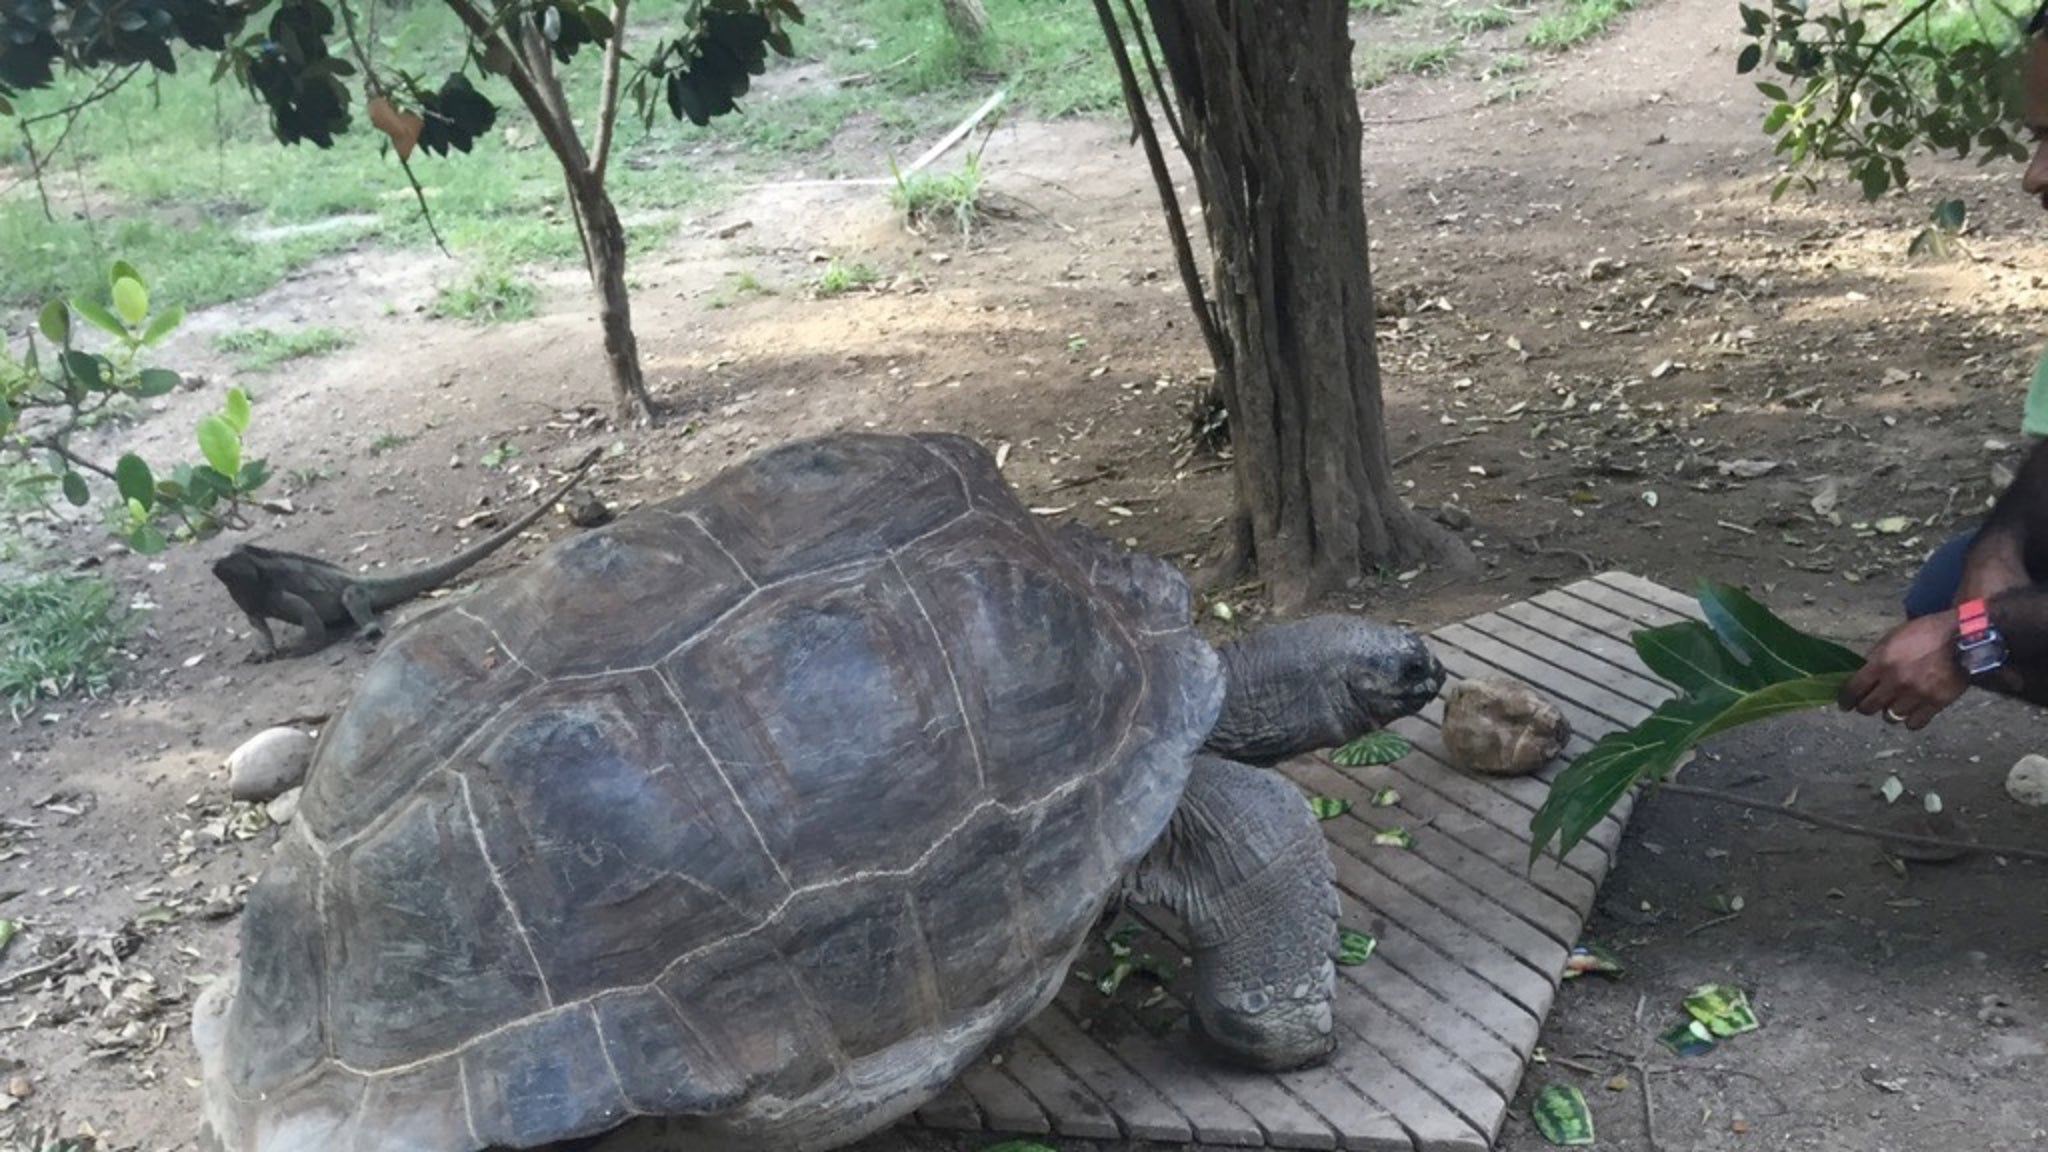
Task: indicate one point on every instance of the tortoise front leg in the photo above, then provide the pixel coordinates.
(1244, 865)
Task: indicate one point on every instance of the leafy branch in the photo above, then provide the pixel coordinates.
(1942, 76)
(1741, 665)
(46, 398)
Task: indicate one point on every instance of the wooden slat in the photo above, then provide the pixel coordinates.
(1073, 1109)
(1580, 698)
(1655, 593)
(1455, 947)
(951, 1110)
(1517, 894)
(1214, 1117)
(1002, 1102)
(1413, 1007)
(1142, 1109)
(1553, 651)
(1428, 790)
(1644, 613)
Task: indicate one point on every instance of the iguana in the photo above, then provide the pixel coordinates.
(267, 584)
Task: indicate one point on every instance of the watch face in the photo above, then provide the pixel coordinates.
(1983, 656)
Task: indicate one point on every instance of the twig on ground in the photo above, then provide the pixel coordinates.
(1911, 838)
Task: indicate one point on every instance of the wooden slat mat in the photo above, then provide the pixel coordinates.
(1435, 1030)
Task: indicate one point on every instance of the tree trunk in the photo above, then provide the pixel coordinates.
(969, 23)
(1266, 103)
(604, 252)
(597, 223)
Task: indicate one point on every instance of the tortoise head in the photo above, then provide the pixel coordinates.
(1387, 671)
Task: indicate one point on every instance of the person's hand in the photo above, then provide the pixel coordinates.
(1909, 675)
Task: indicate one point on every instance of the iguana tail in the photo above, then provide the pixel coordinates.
(388, 591)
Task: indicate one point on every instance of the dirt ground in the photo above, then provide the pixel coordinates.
(1602, 343)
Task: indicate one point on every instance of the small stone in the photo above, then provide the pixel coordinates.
(286, 806)
(1453, 516)
(1604, 268)
(20, 1088)
(268, 764)
(587, 511)
(1499, 727)
(2028, 780)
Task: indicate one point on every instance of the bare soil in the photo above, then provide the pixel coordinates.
(1591, 313)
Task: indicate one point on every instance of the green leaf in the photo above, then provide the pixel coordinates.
(1773, 647)
(1562, 1116)
(1328, 807)
(84, 368)
(55, 321)
(1373, 748)
(1394, 838)
(98, 316)
(133, 479)
(221, 445)
(131, 300)
(1690, 655)
(1354, 947)
(8, 930)
(236, 410)
(123, 270)
(1751, 56)
(1385, 798)
(154, 382)
(147, 539)
(75, 490)
(161, 327)
(1950, 214)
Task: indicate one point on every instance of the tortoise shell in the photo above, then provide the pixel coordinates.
(746, 821)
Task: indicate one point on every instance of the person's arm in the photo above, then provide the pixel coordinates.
(2016, 531)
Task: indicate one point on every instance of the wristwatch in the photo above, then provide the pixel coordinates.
(1978, 645)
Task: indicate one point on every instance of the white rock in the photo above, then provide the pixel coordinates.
(286, 806)
(2028, 781)
(270, 763)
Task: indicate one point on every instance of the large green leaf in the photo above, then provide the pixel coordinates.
(1744, 666)
(1776, 649)
(220, 444)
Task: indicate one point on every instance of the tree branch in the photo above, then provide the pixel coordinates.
(1176, 227)
(1909, 838)
(608, 105)
(510, 64)
(1158, 84)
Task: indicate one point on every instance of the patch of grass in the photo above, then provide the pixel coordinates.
(58, 636)
(953, 198)
(1577, 22)
(386, 441)
(256, 349)
(1506, 64)
(1473, 20)
(838, 279)
(491, 295)
(1381, 63)
(1380, 7)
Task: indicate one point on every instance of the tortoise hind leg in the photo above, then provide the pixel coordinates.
(1244, 865)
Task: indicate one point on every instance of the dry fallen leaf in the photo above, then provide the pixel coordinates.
(403, 127)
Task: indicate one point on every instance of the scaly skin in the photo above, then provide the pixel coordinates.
(1316, 683)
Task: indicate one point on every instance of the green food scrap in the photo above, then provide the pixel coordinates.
(1562, 1116)
(1354, 947)
(1722, 1008)
(1371, 749)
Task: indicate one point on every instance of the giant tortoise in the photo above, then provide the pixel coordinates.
(748, 821)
